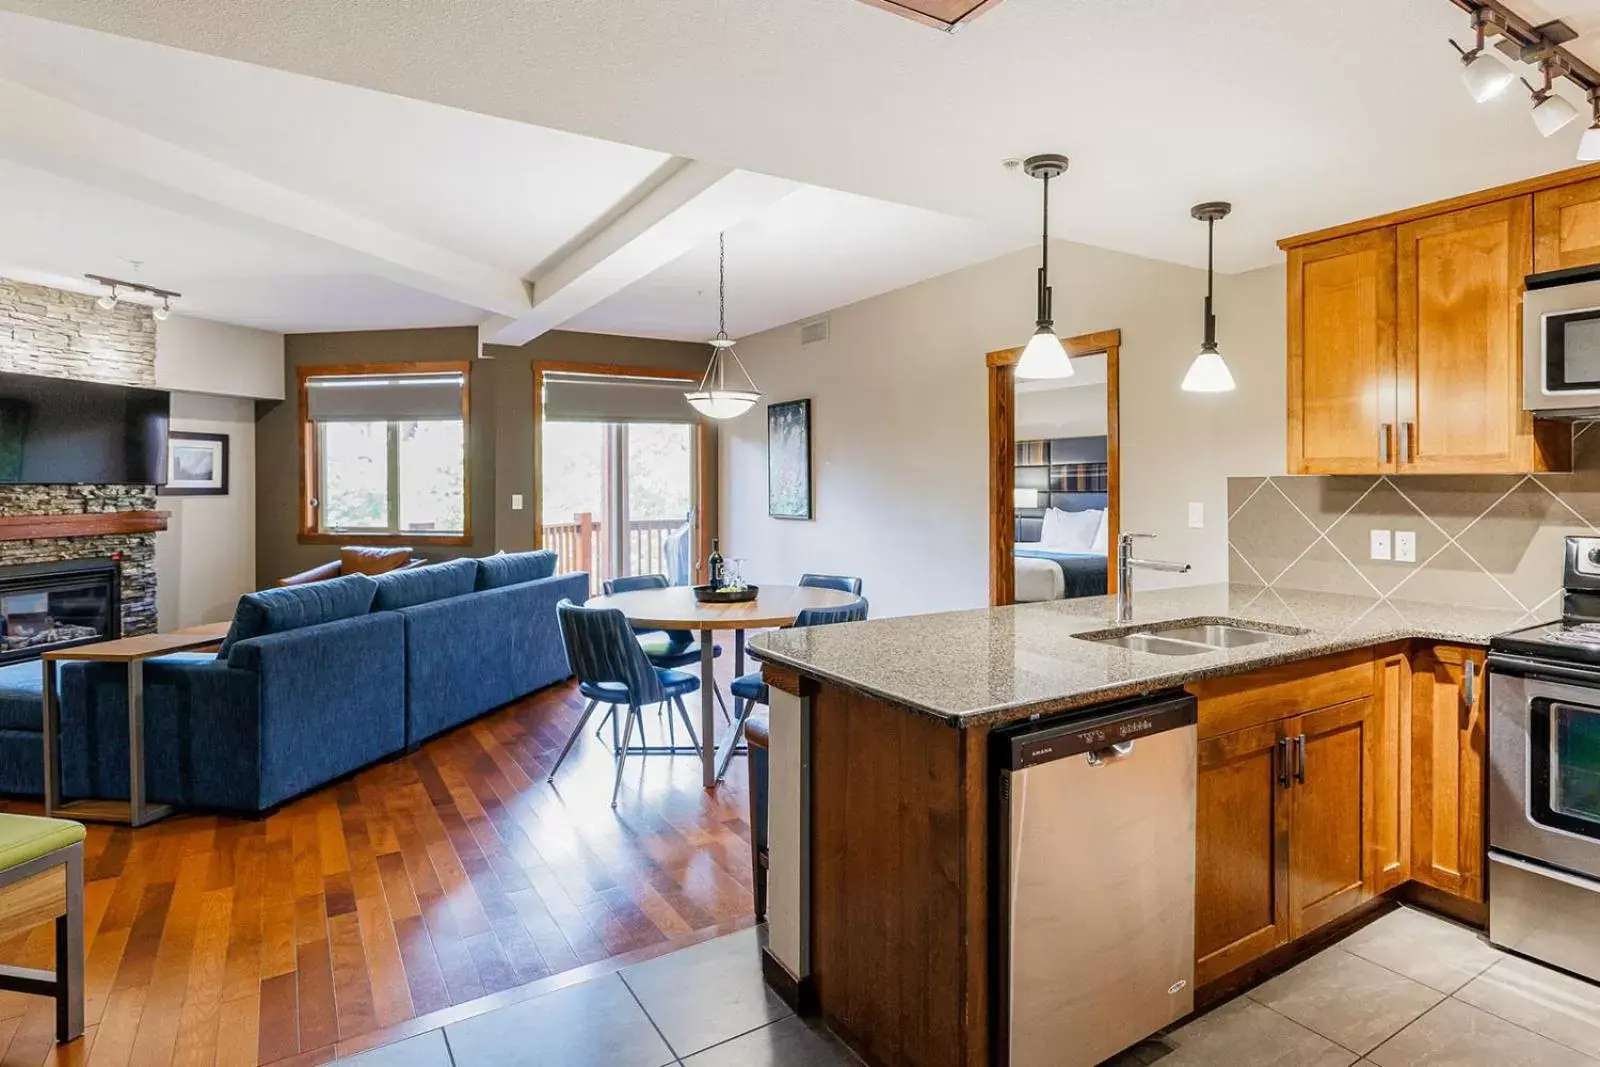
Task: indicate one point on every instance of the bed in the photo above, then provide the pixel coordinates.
(1046, 573)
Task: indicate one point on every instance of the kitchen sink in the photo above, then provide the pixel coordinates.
(1188, 638)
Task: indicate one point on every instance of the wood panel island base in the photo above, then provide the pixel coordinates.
(1331, 780)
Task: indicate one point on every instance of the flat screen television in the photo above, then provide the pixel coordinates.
(56, 431)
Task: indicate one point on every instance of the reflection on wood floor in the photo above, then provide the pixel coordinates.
(426, 882)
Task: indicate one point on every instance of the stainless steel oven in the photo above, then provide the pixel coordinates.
(1561, 343)
(1544, 811)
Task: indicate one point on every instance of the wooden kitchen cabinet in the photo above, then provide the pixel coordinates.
(1342, 355)
(1566, 226)
(1328, 798)
(1389, 757)
(1448, 716)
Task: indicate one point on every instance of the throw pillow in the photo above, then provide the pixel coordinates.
(293, 607)
(420, 585)
(1070, 531)
(514, 568)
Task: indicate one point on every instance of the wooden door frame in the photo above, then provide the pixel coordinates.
(705, 484)
(1003, 458)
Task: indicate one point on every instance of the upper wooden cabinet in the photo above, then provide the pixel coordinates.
(1405, 333)
(1342, 355)
(1566, 226)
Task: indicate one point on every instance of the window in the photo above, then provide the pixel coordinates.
(385, 453)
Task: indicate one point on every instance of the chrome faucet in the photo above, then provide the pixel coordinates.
(1125, 565)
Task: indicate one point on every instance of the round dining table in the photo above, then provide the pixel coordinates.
(675, 608)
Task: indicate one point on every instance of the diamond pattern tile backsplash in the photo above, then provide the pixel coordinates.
(1482, 540)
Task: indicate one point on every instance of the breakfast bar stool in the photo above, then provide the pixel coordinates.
(757, 737)
(41, 878)
(612, 669)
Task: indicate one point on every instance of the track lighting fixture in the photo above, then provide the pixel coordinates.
(1485, 74)
(1551, 110)
(1589, 145)
(1044, 356)
(111, 298)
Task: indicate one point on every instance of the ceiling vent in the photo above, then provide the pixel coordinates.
(814, 332)
(943, 15)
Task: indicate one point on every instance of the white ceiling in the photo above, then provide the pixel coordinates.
(1301, 115)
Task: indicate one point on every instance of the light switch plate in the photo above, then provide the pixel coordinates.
(1197, 515)
(1405, 546)
(1380, 544)
(516, 501)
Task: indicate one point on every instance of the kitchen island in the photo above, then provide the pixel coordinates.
(880, 833)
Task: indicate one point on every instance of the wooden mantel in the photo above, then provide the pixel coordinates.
(94, 524)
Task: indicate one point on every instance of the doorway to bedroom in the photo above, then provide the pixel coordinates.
(1054, 501)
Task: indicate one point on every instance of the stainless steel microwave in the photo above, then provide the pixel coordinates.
(1561, 344)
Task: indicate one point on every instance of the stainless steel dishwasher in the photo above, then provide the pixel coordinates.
(1095, 887)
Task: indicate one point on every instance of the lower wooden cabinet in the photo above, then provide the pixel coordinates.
(1329, 791)
(1448, 737)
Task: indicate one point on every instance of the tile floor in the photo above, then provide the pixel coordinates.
(703, 1006)
(1409, 990)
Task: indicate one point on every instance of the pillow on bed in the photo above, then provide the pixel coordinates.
(1102, 535)
(1070, 531)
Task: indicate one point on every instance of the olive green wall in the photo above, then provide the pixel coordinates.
(501, 459)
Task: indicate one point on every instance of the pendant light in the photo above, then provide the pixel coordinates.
(1044, 357)
(1208, 373)
(715, 398)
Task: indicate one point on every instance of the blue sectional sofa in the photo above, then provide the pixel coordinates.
(313, 682)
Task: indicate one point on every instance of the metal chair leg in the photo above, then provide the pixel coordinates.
(572, 737)
(69, 953)
(611, 711)
(688, 724)
(622, 753)
(672, 727)
(716, 691)
(733, 745)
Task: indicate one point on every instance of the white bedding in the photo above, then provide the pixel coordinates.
(1038, 579)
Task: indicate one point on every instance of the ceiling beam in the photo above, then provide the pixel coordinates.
(685, 205)
(64, 139)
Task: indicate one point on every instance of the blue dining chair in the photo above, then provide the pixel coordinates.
(842, 582)
(750, 690)
(612, 669)
(666, 648)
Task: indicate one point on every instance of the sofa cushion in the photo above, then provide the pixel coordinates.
(22, 696)
(419, 585)
(372, 559)
(514, 568)
(291, 607)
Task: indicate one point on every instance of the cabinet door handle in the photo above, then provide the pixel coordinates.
(1386, 442)
(1406, 429)
(1300, 759)
(1282, 752)
(1469, 685)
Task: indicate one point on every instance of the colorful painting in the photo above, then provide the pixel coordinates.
(789, 460)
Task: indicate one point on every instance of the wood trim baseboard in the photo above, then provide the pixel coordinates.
(799, 993)
(95, 524)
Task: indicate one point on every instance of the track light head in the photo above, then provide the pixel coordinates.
(160, 314)
(107, 301)
(1485, 74)
(1552, 112)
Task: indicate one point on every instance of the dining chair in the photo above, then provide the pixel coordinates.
(673, 649)
(842, 582)
(750, 689)
(612, 669)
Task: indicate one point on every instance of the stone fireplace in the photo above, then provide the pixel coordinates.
(55, 605)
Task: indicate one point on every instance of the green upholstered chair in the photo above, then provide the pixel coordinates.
(41, 878)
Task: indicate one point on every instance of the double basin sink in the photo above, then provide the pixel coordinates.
(1190, 638)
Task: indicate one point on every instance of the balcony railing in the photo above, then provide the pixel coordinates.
(580, 546)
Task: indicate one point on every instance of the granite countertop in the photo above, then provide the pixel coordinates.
(998, 665)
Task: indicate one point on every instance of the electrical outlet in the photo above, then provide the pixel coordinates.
(516, 501)
(1197, 515)
(1405, 546)
(1380, 544)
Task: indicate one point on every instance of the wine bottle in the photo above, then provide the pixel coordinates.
(714, 566)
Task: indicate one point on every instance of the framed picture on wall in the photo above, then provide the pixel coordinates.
(789, 460)
(197, 464)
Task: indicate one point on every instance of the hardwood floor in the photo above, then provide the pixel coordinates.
(389, 900)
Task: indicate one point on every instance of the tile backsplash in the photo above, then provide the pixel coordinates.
(1482, 540)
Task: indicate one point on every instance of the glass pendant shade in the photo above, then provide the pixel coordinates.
(717, 397)
(1044, 357)
(1485, 75)
(1552, 113)
(1208, 373)
(1589, 147)
(722, 404)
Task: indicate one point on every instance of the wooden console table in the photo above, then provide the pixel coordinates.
(132, 651)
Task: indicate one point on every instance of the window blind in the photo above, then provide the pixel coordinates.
(384, 397)
(616, 398)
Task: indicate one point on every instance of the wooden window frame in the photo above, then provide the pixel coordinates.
(310, 491)
(705, 487)
(1003, 459)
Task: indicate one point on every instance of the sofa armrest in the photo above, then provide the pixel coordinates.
(315, 574)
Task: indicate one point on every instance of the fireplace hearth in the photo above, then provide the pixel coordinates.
(55, 605)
